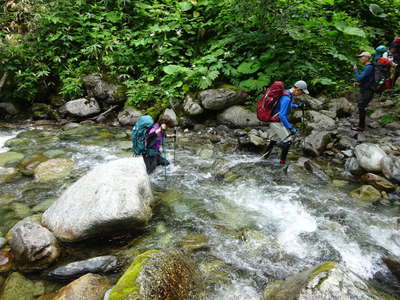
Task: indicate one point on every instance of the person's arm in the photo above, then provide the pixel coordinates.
(365, 73)
(295, 105)
(284, 109)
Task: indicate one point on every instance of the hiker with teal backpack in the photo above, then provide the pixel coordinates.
(275, 108)
(147, 139)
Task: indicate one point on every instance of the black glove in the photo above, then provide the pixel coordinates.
(302, 105)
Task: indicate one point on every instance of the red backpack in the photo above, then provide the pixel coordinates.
(268, 102)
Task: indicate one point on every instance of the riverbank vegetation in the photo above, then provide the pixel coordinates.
(161, 50)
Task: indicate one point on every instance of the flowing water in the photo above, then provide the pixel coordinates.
(260, 223)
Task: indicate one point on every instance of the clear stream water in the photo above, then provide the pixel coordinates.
(263, 225)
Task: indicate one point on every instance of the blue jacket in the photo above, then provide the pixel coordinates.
(283, 108)
(367, 76)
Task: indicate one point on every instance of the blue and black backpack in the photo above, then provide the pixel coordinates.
(139, 134)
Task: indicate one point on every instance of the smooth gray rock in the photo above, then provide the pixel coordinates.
(34, 247)
(314, 103)
(128, 116)
(82, 107)
(239, 117)
(192, 107)
(346, 143)
(320, 121)
(9, 108)
(327, 281)
(101, 264)
(342, 107)
(369, 156)
(170, 113)
(391, 168)
(219, 99)
(315, 144)
(353, 166)
(102, 90)
(113, 197)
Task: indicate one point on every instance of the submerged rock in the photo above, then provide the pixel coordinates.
(87, 287)
(28, 165)
(8, 174)
(101, 264)
(366, 193)
(113, 197)
(10, 158)
(239, 117)
(17, 287)
(329, 280)
(393, 266)
(370, 156)
(218, 99)
(53, 169)
(33, 246)
(158, 275)
(194, 242)
(314, 169)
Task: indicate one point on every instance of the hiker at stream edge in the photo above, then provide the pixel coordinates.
(282, 131)
(155, 139)
(365, 81)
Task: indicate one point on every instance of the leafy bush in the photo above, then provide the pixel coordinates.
(162, 49)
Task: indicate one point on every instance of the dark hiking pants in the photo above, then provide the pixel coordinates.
(366, 95)
(153, 161)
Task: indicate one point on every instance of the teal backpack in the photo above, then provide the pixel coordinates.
(139, 134)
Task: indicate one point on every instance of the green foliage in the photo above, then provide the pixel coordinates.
(387, 119)
(163, 49)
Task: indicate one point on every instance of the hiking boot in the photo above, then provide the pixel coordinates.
(358, 128)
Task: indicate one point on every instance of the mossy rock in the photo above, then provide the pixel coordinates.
(17, 287)
(170, 197)
(329, 280)
(158, 275)
(54, 153)
(17, 143)
(53, 169)
(28, 165)
(217, 272)
(8, 174)
(10, 158)
(366, 194)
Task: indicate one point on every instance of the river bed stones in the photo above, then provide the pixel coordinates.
(391, 168)
(378, 182)
(17, 287)
(53, 169)
(238, 116)
(316, 143)
(113, 197)
(369, 156)
(28, 165)
(8, 174)
(328, 280)
(33, 246)
(96, 265)
(366, 193)
(158, 275)
(87, 287)
(82, 107)
(128, 116)
(10, 158)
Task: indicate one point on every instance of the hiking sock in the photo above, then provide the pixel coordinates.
(285, 151)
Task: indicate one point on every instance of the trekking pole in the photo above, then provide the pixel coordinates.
(280, 142)
(165, 159)
(174, 146)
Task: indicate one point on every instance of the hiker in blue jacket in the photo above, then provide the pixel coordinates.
(366, 81)
(283, 130)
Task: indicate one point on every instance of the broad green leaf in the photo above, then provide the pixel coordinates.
(185, 6)
(323, 81)
(171, 69)
(249, 67)
(350, 30)
(376, 10)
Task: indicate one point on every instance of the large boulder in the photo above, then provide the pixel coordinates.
(353, 166)
(320, 121)
(9, 108)
(82, 107)
(378, 182)
(128, 116)
(239, 117)
(101, 264)
(315, 144)
(34, 247)
(313, 103)
(369, 156)
(192, 107)
(158, 275)
(171, 113)
(87, 287)
(53, 169)
(102, 90)
(17, 287)
(327, 281)
(342, 107)
(219, 99)
(113, 197)
(391, 168)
